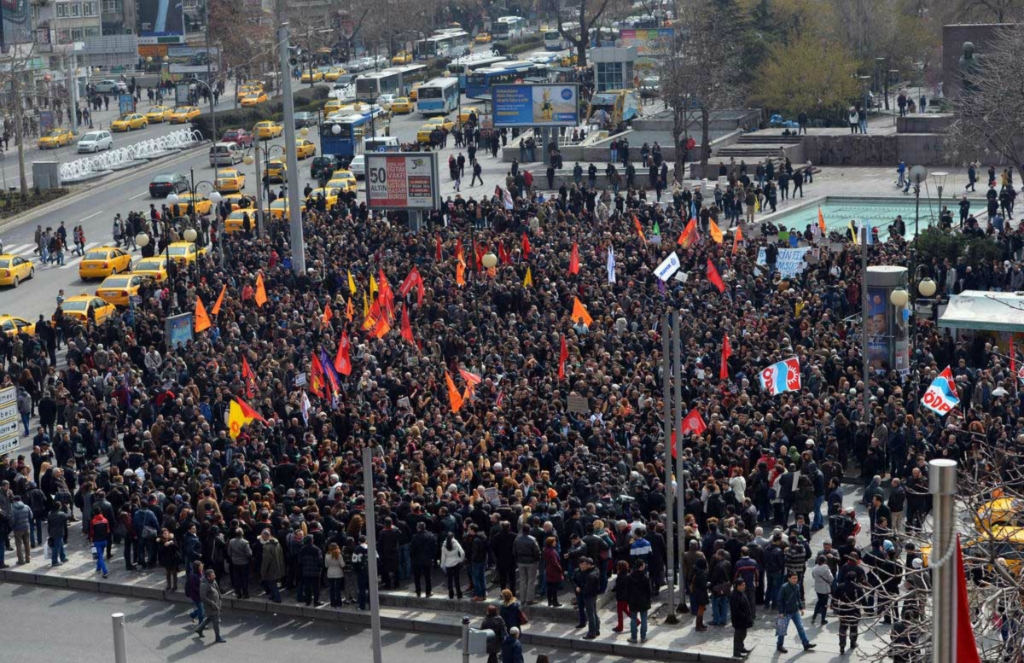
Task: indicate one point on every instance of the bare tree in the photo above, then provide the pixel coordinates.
(990, 108)
(15, 69)
(587, 14)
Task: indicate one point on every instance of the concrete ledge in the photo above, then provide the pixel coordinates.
(50, 581)
(141, 592)
(120, 590)
(75, 584)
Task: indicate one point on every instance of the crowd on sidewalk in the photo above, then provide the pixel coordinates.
(460, 355)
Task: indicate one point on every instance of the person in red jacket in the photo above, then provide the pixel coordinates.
(552, 571)
(99, 534)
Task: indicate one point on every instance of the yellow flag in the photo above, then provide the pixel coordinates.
(202, 321)
(366, 306)
(716, 232)
(528, 281)
(373, 287)
(236, 419)
(351, 284)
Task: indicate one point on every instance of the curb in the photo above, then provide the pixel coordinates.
(87, 191)
(362, 619)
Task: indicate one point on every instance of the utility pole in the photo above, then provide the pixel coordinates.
(666, 370)
(294, 203)
(371, 544)
(209, 71)
(863, 232)
(680, 476)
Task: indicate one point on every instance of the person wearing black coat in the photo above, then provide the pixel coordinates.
(742, 616)
(496, 624)
(639, 595)
(422, 550)
(699, 591)
(311, 564)
(502, 544)
(389, 540)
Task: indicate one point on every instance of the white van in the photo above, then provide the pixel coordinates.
(225, 154)
(382, 144)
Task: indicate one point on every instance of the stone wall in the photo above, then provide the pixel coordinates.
(924, 123)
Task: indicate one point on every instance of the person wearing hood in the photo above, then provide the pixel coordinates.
(511, 648)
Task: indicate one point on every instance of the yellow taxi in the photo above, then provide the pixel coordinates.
(15, 269)
(344, 180)
(314, 76)
(101, 262)
(332, 106)
(279, 209)
(442, 122)
(483, 38)
(158, 113)
(154, 268)
(267, 129)
(235, 223)
(402, 105)
(423, 134)
(129, 121)
(276, 170)
(202, 204)
(334, 74)
(464, 115)
(330, 195)
(12, 325)
(88, 307)
(414, 93)
(236, 200)
(229, 180)
(245, 90)
(119, 288)
(184, 252)
(254, 99)
(402, 57)
(55, 138)
(183, 114)
(304, 148)
(1000, 511)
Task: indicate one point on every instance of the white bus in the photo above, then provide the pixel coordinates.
(438, 97)
(461, 67)
(508, 27)
(371, 86)
(553, 39)
(449, 42)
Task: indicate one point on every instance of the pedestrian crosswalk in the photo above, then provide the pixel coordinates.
(71, 259)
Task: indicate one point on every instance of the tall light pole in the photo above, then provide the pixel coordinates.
(666, 370)
(294, 207)
(209, 70)
(942, 486)
(371, 544)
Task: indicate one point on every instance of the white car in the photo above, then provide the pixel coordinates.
(95, 141)
(110, 87)
(385, 100)
(358, 166)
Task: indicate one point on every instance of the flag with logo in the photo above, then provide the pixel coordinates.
(941, 396)
(781, 377)
(249, 378)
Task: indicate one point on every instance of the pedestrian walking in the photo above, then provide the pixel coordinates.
(822, 575)
(211, 596)
(791, 607)
(639, 593)
(742, 614)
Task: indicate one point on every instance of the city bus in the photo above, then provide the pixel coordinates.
(461, 67)
(508, 27)
(352, 129)
(411, 73)
(553, 39)
(478, 84)
(449, 42)
(370, 86)
(603, 36)
(438, 97)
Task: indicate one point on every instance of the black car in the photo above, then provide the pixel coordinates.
(166, 184)
(324, 166)
(305, 119)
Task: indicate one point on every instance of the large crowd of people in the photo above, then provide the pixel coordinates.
(459, 376)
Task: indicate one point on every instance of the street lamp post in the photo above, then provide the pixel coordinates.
(190, 234)
(213, 108)
(940, 184)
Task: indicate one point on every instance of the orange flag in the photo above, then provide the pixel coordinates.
(220, 300)
(689, 233)
(574, 260)
(716, 232)
(821, 222)
(261, 291)
(328, 315)
(736, 239)
(350, 310)
(454, 397)
(460, 274)
(202, 321)
(639, 229)
(579, 312)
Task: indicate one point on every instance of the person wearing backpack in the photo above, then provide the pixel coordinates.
(99, 534)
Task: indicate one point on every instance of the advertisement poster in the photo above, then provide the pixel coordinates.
(9, 434)
(47, 121)
(179, 329)
(161, 17)
(189, 60)
(878, 329)
(406, 180)
(648, 41)
(900, 338)
(17, 16)
(126, 103)
(540, 105)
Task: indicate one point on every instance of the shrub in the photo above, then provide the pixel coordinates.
(936, 243)
(306, 99)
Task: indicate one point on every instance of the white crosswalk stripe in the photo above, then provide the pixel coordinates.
(23, 250)
(77, 259)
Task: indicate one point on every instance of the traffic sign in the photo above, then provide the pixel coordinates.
(9, 434)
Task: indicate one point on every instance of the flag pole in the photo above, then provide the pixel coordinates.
(666, 370)
(371, 544)
(942, 486)
(680, 476)
(864, 323)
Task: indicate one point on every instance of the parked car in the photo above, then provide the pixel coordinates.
(240, 137)
(358, 166)
(323, 166)
(95, 141)
(305, 119)
(109, 86)
(165, 184)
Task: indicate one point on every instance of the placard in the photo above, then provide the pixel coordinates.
(668, 267)
(579, 404)
(790, 262)
(178, 329)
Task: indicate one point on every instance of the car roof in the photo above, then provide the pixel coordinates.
(104, 248)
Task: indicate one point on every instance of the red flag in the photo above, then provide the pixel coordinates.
(526, 247)
(714, 276)
(693, 423)
(503, 255)
(316, 377)
(470, 378)
(723, 372)
(639, 229)
(563, 354)
(414, 279)
(438, 240)
(966, 648)
(574, 260)
(248, 412)
(249, 378)
(406, 326)
(342, 360)
(479, 250)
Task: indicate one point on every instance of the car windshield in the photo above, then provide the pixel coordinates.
(96, 255)
(230, 134)
(149, 263)
(162, 179)
(126, 117)
(116, 282)
(80, 305)
(181, 109)
(53, 132)
(227, 173)
(178, 250)
(92, 136)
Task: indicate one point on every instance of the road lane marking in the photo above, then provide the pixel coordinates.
(90, 216)
(144, 193)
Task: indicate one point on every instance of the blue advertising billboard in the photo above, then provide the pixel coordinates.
(536, 105)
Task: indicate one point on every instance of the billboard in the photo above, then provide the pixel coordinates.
(9, 434)
(402, 180)
(536, 105)
(648, 41)
(17, 17)
(160, 18)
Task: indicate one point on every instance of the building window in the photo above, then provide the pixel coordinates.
(89, 8)
(63, 36)
(92, 32)
(62, 10)
(76, 9)
(76, 34)
(111, 6)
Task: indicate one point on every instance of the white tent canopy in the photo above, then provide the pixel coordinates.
(980, 309)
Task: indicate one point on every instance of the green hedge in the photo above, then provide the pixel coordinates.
(307, 99)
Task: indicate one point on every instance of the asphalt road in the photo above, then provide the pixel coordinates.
(46, 625)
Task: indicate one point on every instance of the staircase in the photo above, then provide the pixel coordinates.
(758, 147)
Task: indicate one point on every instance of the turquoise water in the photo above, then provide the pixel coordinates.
(879, 212)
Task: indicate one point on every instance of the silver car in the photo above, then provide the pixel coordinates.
(95, 141)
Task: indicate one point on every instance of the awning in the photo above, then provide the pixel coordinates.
(989, 311)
